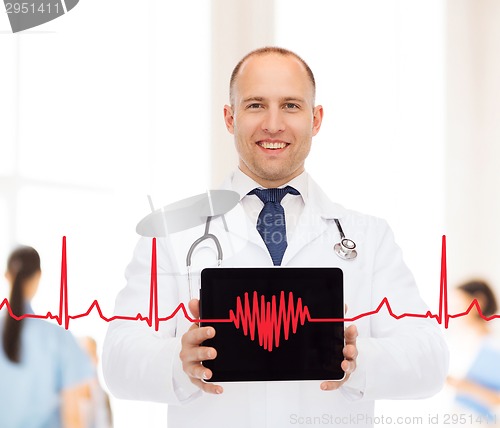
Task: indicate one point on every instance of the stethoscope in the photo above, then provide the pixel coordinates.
(345, 249)
(204, 237)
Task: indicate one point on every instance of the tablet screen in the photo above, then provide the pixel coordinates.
(274, 323)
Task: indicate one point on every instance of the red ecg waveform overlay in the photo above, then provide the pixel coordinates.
(63, 317)
(266, 320)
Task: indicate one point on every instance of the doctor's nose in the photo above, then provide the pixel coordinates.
(273, 122)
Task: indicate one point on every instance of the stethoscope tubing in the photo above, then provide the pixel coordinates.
(345, 249)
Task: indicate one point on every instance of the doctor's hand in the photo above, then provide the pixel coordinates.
(349, 364)
(192, 353)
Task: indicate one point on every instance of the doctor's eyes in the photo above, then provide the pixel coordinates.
(286, 106)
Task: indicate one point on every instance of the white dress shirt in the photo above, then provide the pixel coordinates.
(292, 204)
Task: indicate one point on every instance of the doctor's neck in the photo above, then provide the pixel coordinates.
(268, 180)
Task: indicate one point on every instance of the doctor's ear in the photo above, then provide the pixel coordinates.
(229, 118)
(317, 119)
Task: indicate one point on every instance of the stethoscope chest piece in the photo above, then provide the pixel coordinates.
(345, 249)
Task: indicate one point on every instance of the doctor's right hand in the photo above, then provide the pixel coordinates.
(192, 353)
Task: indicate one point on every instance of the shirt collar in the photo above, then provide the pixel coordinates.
(243, 184)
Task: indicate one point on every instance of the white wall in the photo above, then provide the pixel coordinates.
(473, 139)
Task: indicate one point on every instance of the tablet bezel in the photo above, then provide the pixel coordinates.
(289, 361)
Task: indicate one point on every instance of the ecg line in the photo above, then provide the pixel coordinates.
(268, 322)
(443, 317)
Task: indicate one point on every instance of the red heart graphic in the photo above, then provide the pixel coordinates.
(269, 318)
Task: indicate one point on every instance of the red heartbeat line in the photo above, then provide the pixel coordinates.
(63, 317)
(266, 322)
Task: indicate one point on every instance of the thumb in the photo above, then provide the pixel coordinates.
(194, 307)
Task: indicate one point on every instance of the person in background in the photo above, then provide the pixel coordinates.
(95, 405)
(43, 368)
(478, 389)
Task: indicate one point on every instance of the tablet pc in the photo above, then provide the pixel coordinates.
(274, 324)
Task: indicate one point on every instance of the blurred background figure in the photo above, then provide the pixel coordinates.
(43, 369)
(475, 365)
(96, 408)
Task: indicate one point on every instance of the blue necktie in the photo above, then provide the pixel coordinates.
(271, 222)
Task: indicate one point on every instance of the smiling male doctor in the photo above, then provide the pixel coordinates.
(273, 117)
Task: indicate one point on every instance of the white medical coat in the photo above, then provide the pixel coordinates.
(398, 359)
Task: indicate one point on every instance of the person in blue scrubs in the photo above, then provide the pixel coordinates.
(479, 390)
(43, 369)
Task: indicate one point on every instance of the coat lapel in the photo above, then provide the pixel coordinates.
(239, 224)
(316, 218)
(241, 228)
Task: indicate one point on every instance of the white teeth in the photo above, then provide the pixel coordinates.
(269, 145)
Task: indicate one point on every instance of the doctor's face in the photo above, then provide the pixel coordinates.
(272, 118)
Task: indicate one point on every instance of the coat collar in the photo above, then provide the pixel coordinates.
(316, 217)
(315, 197)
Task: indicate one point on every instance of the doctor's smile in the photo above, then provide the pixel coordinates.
(274, 145)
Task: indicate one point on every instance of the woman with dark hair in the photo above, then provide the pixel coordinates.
(478, 389)
(481, 292)
(43, 370)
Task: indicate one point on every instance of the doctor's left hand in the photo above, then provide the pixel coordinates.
(349, 364)
(193, 354)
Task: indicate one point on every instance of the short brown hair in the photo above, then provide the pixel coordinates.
(481, 289)
(264, 51)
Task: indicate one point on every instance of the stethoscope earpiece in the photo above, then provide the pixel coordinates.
(346, 248)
